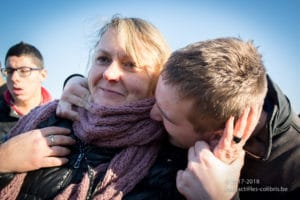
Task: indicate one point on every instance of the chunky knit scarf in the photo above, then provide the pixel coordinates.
(128, 127)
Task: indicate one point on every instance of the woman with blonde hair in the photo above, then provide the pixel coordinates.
(117, 145)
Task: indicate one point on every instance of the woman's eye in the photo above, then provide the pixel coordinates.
(129, 65)
(103, 60)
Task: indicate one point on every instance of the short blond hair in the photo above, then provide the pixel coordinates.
(222, 77)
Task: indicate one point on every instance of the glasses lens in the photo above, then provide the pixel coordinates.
(24, 71)
(7, 71)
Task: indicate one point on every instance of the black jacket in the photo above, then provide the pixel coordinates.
(274, 171)
(160, 183)
(3, 87)
(8, 118)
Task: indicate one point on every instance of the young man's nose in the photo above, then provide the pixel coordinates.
(155, 114)
(14, 76)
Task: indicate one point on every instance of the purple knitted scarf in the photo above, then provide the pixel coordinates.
(128, 127)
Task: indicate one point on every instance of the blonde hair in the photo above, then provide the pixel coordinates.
(142, 41)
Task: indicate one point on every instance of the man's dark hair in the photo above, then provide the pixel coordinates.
(25, 49)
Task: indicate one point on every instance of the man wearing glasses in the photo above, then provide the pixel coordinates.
(24, 71)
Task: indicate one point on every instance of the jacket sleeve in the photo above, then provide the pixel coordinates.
(71, 76)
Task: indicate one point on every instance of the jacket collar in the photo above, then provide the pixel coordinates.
(278, 120)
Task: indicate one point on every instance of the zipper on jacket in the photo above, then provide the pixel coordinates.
(80, 157)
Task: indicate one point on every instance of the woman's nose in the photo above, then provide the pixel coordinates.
(155, 113)
(113, 72)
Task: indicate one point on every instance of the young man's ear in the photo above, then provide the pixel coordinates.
(44, 74)
(246, 123)
(254, 117)
(236, 135)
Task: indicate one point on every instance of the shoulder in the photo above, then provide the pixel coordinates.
(6, 121)
(4, 108)
(54, 120)
(3, 87)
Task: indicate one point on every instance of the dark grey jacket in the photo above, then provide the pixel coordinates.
(273, 171)
(8, 118)
(46, 183)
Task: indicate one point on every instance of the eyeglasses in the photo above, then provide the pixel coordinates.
(22, 71)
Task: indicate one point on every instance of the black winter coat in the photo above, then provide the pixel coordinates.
(7, 118)
(160, 183)
(274, 171)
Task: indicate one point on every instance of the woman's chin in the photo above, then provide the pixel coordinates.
(109, 102)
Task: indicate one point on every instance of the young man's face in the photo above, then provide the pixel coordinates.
(173, 112)
(24, 89)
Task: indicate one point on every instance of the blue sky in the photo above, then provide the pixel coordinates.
(64, 30)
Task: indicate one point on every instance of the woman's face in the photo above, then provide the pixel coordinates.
(113, 78)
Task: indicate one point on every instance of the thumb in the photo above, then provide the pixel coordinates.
(198, 150)
(204, 155)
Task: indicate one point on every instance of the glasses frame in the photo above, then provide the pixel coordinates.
(8, 71)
